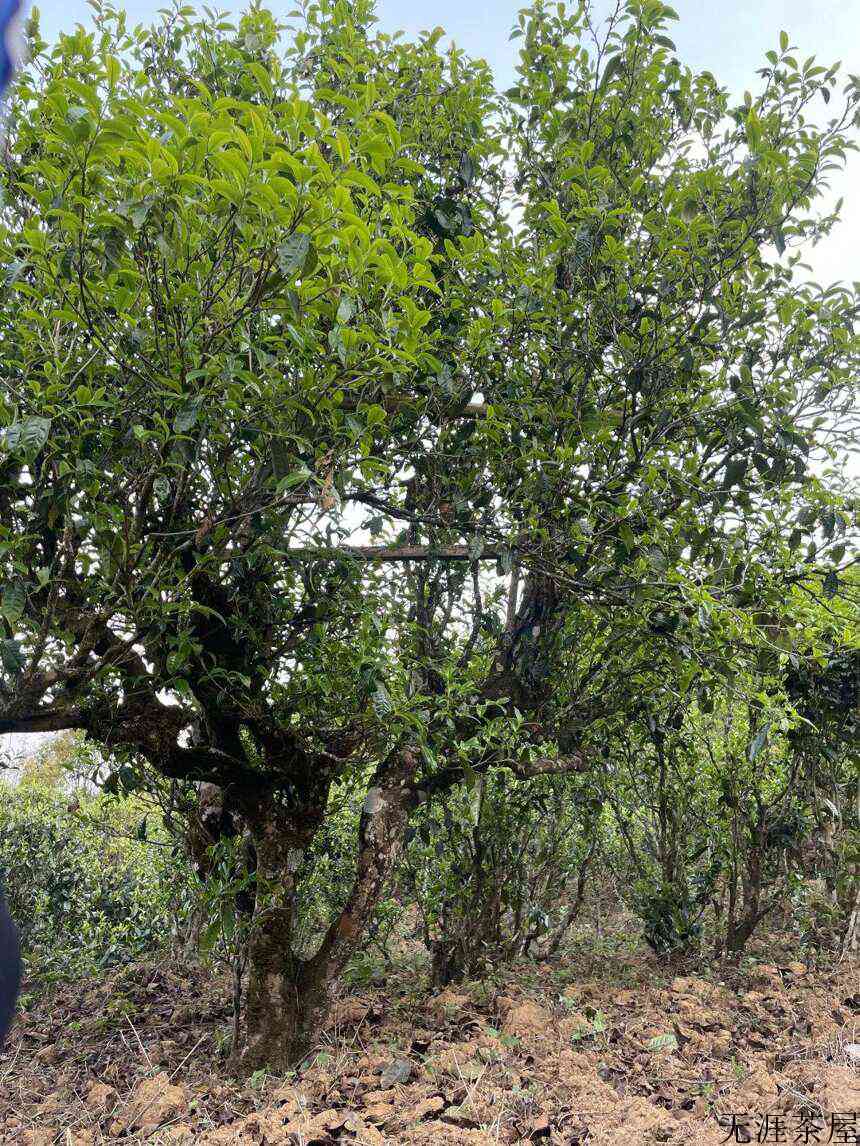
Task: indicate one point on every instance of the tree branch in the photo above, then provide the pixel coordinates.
(524, 769)
(380, 842)
(45, 720)
(394, 553)
(391, 403)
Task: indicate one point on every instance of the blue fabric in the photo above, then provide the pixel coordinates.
(10, 968)
(9, 9)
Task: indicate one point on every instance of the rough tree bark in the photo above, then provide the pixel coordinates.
(851, 943)
(287, 997)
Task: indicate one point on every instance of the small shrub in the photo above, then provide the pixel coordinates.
(88, 880)
(499, 870)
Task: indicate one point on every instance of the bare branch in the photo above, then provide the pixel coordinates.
(46, 720)
(394, 553)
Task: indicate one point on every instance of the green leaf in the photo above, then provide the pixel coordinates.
(613, 66)
(12, 601)
(11, 656)
(258, 1079)
(298, 477)
(262, 77)
(337, 343)
(186, 419)
(758, 742)
(345, 310)
(735, 470)
(27, 437)
(209, 937)
(689, 210)
(466, 170)
(753, 130)
(293, 253)
(124, 779)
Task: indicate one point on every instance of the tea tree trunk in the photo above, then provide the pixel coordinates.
(288, 998)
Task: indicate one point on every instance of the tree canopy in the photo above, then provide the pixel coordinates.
(357, 416)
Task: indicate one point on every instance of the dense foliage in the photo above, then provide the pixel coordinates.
(86, 889)
(499, 869)
(368, 431)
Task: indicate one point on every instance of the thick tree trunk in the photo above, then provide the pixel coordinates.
(287, 1005)
(287, 998)
(275, 1019)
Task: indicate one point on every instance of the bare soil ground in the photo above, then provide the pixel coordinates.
(607, 1045)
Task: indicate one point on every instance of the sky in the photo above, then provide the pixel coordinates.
(727, 37)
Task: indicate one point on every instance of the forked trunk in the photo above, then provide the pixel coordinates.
(288, 998)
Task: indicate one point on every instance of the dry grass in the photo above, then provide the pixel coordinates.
(558, 1052)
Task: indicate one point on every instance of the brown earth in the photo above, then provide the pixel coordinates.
(601, 1047)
